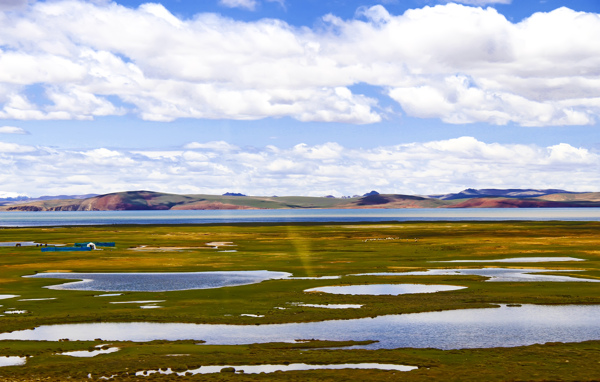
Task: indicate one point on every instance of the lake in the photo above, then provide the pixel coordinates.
(67, 218)
(455, 329)
(158, 282)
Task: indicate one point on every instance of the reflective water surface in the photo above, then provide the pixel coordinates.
(12, 361)
(385, 289)
(495, 274)
(515, 260)
(256, 369)
(468, 328)
(158, 282)
(64, 218)
(332, 306)
(89, 354)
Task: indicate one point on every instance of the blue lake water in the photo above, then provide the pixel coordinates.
(494, 274)
(158, 282)
(455, 329)
(65, 218)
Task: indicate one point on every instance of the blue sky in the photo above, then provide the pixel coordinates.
(298, 97)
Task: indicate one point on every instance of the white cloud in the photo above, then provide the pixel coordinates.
(214, 146)
(461, 64)
(247, 4)
(413, 168)
(14, 148)
(12, 130)
(480, 2)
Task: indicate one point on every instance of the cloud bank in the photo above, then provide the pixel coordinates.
(458, 63)
(219, 167)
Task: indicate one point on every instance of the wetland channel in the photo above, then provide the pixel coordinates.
(503, 326)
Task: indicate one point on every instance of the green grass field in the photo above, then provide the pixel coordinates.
(303, 250)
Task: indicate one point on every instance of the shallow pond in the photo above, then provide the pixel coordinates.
(468, 328)
(12, 361)
(15, 312)
(256, 369)
(495, 274)
(332, 306)
(92, 353)
(158, 282)
(38, 299)
(515, 260)
(385, 289)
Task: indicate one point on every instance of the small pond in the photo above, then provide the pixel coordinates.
(38, 299)
(158, 282)
(455, 329)
(92, 353)
(12, 361)
(331, 306)
(256, 369)
(385, 289)
(495, 274)
(515, 260)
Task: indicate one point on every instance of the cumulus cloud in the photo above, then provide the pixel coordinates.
(458, 63)
(317, 170)
(12, 130)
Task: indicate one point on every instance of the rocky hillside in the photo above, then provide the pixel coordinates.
(149, 200)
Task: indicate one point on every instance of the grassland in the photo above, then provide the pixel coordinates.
(303, 250)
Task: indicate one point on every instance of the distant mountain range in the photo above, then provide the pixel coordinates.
(494, 192)
(149, 200)
(26, 199)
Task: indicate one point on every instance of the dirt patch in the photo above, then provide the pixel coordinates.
(217, 244)
(165, 249)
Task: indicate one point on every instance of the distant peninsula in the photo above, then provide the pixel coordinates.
(150, 200)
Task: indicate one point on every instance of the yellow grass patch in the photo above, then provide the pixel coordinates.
(221, 244)
(58, 271)
(164, 249)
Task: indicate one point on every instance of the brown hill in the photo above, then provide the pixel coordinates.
(511, 203)
(584, 197)
(149, 200)
(208, 205)
(396, 201)
(133, 200)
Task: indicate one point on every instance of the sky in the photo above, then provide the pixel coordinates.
(298, 97)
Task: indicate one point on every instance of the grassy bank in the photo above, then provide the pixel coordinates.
(305, 250)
